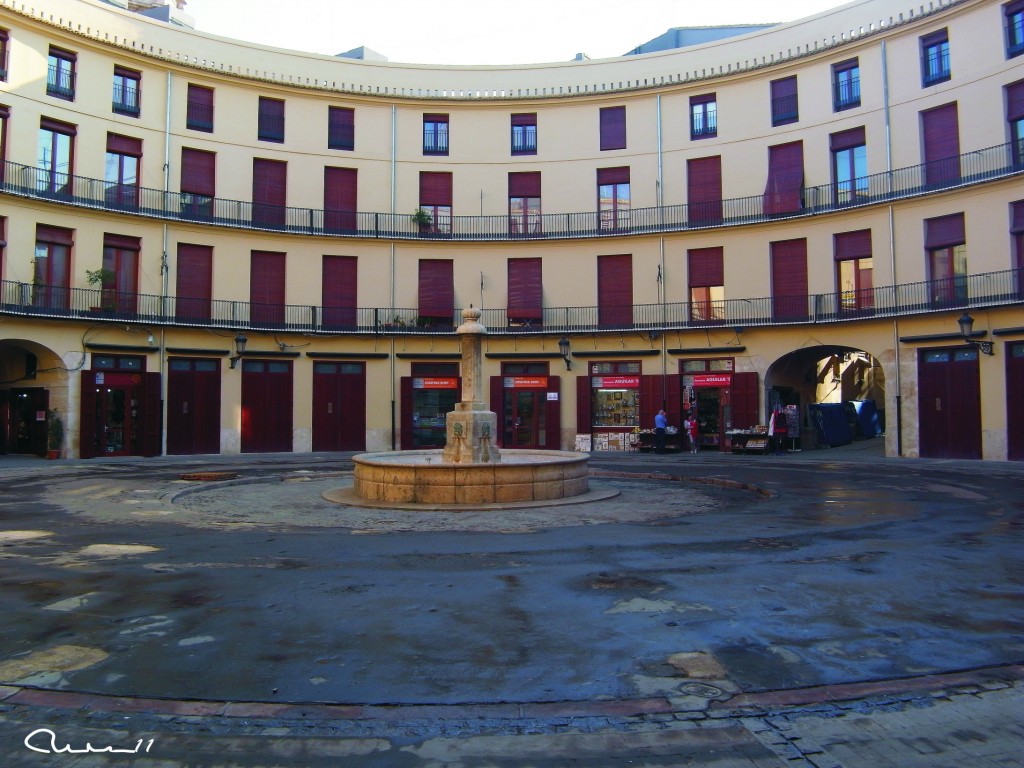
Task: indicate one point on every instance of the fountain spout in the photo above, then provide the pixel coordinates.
(470, 428)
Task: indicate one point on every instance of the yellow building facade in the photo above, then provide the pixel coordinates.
(211, 246)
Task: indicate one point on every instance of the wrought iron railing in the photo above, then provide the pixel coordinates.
(970, 168)
(98, 305)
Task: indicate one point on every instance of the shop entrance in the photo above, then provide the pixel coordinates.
(193, 406)
(720, 398)
(525, 399)
(1014, 404)
(427, 397)
(949, 403)
(339, 406)
(266, 406)
(23, 417)
(120, 408)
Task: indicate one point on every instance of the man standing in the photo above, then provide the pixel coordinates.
(660, 423)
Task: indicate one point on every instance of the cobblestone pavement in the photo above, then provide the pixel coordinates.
(825, 609)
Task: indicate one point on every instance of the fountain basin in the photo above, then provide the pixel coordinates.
(422, 477)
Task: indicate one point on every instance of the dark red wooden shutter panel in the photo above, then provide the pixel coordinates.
(87, 416)
(341, 127)
(553, 416)
(194, 281)
(266, 287)
(524, 184)
(613, 128)
(58, 235)
(340, 199)
(583, 404)
(674, 401)
(785, 178)
(152, 414)
(940, 127)
(437, 288)
(1017, 218)
(706, 267)
(743, 398)
(124, 145)
(704, 188)
(789, 279)
(852, 245)
(339, 291)
(944, 231)
(405, 416)
(618, 175)
(1015, 101)
(526, 118)
(198, 172)
(269, 191)
(615, 290)
(525, 289)
(435, 188)
(855, 137)
(651, 396)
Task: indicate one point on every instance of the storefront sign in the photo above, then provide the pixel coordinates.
(615, 382)
(435, 383)
(712, 379)
(525, 382)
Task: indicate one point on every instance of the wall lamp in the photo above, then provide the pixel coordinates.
(563, 350)
(966, 326)
(240, 342)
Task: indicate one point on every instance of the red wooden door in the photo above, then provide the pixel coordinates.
(1014, 402)
(949, 403)
(193, 406)
(339, 406)
(266, 406)
(744, 400)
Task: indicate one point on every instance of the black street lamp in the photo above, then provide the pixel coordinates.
(240, 342)
(966, 323)
(563, 349)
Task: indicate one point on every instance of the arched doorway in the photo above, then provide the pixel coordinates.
(33, 380)
(835, 394)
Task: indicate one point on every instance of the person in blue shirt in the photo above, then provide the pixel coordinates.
(660, 423)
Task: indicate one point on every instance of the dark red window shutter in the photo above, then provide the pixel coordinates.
(525, 184)
(785, 178)
(1015, 101)
(266, 287)
(583, 418)
(706, 267)
(613, 128)
(785, 104)
(525, 290)
(340, 199)
(940, 128)
(789, 279)
(270, 119)
(618, 175)
(435, 188)
(87, 416)
(553, 415)
(339, 291)
(944, 232)
(199, 108)
(57, 126)
(269, 191)
(852, 245)
(152, 414)
(124, 145)
(198, 172)
(194, 282)
(615, 290)
(743, 396)
(437, 288)
(341, 128)
(58, 235)
(1017, 218)
(704, 189)
(854, 137)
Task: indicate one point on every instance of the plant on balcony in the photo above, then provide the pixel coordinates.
(422, 219)
(98, 278)
(54, 433)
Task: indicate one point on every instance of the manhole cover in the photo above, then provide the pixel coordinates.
(205, 477)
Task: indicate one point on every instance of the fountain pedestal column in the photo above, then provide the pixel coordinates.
(471, 428)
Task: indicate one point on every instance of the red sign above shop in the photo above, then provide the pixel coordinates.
(712, 379)
(525, 382)
(615, 382)
(435, 383)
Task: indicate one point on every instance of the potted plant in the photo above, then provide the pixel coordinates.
(54, 433)
(422, 219)
(98, 278)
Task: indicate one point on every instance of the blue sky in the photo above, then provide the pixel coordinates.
(478, 31)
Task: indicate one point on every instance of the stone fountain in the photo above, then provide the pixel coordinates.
(470, 472)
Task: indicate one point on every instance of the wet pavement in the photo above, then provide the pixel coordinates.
(823, 608)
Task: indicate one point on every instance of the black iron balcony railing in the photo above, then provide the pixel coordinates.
(126, 99)
(60, 82)
(95, 305)
(971, 168)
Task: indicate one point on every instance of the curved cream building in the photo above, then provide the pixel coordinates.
(213, 246)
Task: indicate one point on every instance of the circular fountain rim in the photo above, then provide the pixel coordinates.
(391, 458)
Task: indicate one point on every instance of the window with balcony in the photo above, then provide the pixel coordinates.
(5, 113)
(51, 276)
(1017, 242)
(615, 291)
(785, 104)
(613, 203)
(340, 187)
(194, 282)
(436, 292)
(341, 128)
(945, 243)
(436, 201)
(266, 288)
(1014, 22)
(789, 280)
(60, 74)
(339, 279)
(55, 156)
(4, 41)
(524, 203)
(525, 291)
(435, 134)
(703, 116)
(613, 128)
(270, 120)
(524, 134)
(849, 165)
(120, 285)
(269, 192)
(852, 254)
(941, 139)
(704, 190)
(784, 191)
(127, 95)
(121, 171)
(706, 270)
(846, 85)
(1014, 119)
(199, 108)
(198, 183)
(935, 58)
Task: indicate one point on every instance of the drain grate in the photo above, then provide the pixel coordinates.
(206, 477)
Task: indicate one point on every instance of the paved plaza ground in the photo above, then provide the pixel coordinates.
(823, 608)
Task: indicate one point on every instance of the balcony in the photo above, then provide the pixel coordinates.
(96, 305)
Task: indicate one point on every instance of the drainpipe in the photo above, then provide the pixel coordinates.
(165, 270)
(394, 161)
(892, 252)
